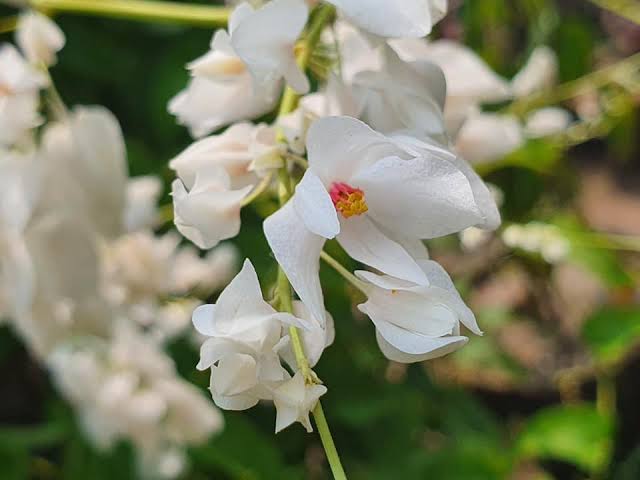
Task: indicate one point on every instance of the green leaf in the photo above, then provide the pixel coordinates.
(574, 434)
(243, 452)
(612, 332)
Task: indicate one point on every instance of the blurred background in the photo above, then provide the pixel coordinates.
(551, 391)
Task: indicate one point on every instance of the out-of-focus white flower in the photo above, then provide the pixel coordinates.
(127, 388)
(209, 211)
(240, 77)
(540, 72)
(86, 170)
(19, 98)
(416, 322)
(208, 274)
(547, 121)
(366, 190)
(535, 237)
(470, 81)
(488, 136)
(265, 39)
(39, 38)
(244, 333)
(18, 194)
(294, 400)
(142, 196)
(240, 150)
(402, 96)
(402, 18)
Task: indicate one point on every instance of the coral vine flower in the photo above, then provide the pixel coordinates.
(378, 196)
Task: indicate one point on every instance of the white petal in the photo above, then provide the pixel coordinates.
(234, 374)
(366, 243)
(242, 297)
(340, 146)
(203, 319)
(265, 41)
(407, 18)
(405, 317)
(39, 38)
(297, 250)
(438, 277)
(314, 206)
(438, 348)
(423, 197)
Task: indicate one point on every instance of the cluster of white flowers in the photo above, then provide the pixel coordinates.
(83, 278)
(539, 238)
(386, 167)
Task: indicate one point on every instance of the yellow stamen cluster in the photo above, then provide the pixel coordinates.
(353, 204)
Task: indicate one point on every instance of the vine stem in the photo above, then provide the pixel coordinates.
(145, 10)
(288, 103)
(8, 24)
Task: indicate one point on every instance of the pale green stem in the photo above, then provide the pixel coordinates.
(346, 274)
(259, 190)
(8, 24)
(327, 441)
(288, 103)
(574, 88)
(145, 10)
(629, 9)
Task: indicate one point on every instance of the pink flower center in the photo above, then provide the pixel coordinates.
(348, 201)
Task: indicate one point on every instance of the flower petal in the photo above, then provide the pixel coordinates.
(409, 18)
(424, 197)
(339, 146)
(364, 241)
(203, 319)
(297, 250)
(314, 206)
(435, 348)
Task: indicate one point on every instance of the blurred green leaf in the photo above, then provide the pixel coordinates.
(575, 434)
(611, 332)
(15, 463)
(243, 452)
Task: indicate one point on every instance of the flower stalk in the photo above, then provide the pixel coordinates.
(143, 10)
(287, 104)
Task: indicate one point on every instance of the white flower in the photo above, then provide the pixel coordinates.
(39, 38)
(208, 274)
(209, 211)
(18, 194)
(488, 136)
(470, 81)
(366, 190)
(402, 96)
(239, 150)
(19, 97)
(539, 72)
(240, 77)
(547, 121)
(399, 18)
(265, 39)
(535, 237)
(206, 105)
(244, 333)
(142, 196)
(416, 322)
(294, 400)
(86, 170)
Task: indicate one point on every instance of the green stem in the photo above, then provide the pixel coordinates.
(288, 103)
(346, 274)
(628, 9)
(8, 24)
(327, 441)
(573, 88)
(259, 190)
(145, 10)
